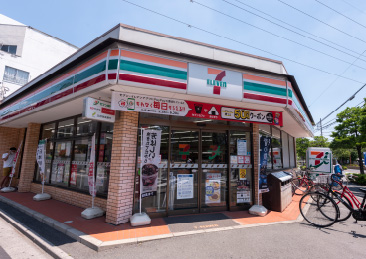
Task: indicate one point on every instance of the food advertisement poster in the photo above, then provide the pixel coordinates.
(265, 147)
(246, 159)
(74, 170)
(185, 186)
(213, 188)
(176, 107)
(241, 159)
(233, 159)
(150, 153)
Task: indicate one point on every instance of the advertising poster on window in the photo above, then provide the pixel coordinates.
(243, 191)
(60, 172)
(176, 107)
(74, 170)
(213, 188)
(185, 186)
(242, 174)
(242, 147)
(265, 147)
(150, 153)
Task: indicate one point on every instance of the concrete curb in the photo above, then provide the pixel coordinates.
(98, 245)
(48, 247)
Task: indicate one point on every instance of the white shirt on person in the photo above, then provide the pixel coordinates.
(9, 162)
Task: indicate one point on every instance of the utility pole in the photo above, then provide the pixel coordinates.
(321, 128)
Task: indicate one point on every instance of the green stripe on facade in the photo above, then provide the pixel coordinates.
(112, 64)
(289, 93)
(250, 86)
(91, 71)
(154, 70)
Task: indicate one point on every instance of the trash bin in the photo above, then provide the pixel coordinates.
(280, 192)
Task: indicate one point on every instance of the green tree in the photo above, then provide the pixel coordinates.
(319, 141)
(302, 145)
(349, 133)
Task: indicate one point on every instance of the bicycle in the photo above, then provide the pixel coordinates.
(301, 183)
(321, 210)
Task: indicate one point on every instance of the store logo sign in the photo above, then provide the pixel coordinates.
(185, 152)
(217, 83)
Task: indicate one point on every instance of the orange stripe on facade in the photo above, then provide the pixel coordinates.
(114, 52)
(315, 153)
(90, 62)
(264, 79)
(213, 71)
(163, 61)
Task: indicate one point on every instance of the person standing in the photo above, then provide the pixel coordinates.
(8, 163)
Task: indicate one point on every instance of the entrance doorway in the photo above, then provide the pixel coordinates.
(198, 178)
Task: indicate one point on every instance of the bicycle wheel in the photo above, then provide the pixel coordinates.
(344, 212)
(318, 209)
(299, 186)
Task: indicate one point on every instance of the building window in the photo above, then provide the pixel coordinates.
(68, 153)
(15, 76)
(12, 49)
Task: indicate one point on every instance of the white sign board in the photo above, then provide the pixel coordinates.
(213, 82)
(185, 186)
(98, 110)
(41, 157)
(149, 104)
(242, 147)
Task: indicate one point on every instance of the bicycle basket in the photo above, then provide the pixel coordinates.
(322, 179)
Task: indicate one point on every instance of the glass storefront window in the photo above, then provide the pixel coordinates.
(65, 129)
(265, 130)
(48, 131)
(61, 163)
(80, 164)
(276, 148)
(241, 177)
(104, 157)
(155, 203)
(85, 127)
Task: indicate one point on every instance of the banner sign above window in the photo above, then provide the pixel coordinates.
(98, 110)
(167, 106)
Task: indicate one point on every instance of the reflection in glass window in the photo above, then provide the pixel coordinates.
(276, 148)
(48, 131)
(61, 163)
(85, 127)
(65, 129)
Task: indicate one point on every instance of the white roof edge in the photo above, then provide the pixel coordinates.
(120, 32)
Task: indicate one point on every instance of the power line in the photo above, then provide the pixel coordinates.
(334, 28)
(335, 80)
(340, 13)
(354, 7)
(242, 43)
(273, 34)
(301, 30)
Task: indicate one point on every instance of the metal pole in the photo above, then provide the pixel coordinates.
(321, 128)
(141, 169)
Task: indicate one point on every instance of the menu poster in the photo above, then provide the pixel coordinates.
(213, 188)
(150, 153)
(185, 186)
(233, 159)
(242, 147)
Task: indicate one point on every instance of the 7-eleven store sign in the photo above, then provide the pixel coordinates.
(320, 159)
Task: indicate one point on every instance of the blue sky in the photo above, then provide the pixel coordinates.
(78, 22)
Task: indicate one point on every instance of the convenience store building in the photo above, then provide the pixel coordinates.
(210, 103)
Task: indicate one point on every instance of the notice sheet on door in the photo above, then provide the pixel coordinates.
(184, 186)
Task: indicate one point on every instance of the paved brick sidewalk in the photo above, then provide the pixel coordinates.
(99, 235)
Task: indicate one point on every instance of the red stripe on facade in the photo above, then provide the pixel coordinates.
(290, 102)
(61, 95)
(264, 98)
(152, 81)
(90, 82)
(112, 76)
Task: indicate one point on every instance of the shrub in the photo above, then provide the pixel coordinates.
(344, 167)
(303, 167)
(361, 179)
